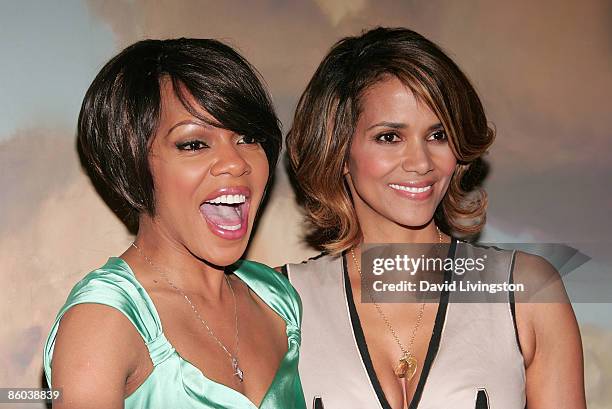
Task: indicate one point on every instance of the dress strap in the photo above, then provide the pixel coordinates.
(274, 289)
(160, 349)
(115, 285)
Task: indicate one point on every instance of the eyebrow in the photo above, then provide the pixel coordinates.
(401, 125)
(436, 127)
(394, 125)
(189, 122)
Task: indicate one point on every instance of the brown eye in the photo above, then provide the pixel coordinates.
(438, 136)
(191, 146)
(248, 140)
(388, 138)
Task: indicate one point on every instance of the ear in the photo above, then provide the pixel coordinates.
(345, 169)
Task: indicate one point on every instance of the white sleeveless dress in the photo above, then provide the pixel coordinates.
(473, 360)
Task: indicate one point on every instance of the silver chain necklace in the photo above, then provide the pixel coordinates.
(233, 357)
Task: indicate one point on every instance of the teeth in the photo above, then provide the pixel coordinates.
(228, 199)
(235, 227)
(411, 189)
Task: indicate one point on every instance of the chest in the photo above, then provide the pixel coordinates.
(464, 351)
(389, 331)
(220, 342)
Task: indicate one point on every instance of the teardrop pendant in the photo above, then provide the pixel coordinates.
(406, 367)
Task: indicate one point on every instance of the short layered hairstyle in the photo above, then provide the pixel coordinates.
(318, 144)
(121, 110)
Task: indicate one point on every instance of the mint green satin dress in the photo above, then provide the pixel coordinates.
(174, 382)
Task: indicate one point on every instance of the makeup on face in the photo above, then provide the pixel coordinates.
(400, 162)
(209, 181)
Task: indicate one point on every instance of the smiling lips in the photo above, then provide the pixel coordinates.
(226, 212)
(416, 191)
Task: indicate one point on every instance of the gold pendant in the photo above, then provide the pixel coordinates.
(406, 367)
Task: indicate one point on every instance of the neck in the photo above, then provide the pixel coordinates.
(400, 234)
(386, 231)
(169, 256)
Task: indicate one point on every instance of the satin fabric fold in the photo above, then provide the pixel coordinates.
(174, 381)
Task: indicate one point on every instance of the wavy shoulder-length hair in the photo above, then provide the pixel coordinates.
(318, 143)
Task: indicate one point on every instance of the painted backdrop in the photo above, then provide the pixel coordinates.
(542, 68)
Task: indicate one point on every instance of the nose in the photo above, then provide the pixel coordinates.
(229, 161)
(417, 157)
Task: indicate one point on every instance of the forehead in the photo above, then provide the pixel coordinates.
(391, 99)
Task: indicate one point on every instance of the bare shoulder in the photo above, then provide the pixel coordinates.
(96, 349)
(544, 298)
(539, 276)
(549, 335)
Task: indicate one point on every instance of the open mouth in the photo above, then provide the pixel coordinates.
(227, 214)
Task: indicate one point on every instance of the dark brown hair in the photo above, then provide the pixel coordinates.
(318, 143)
(121, 109)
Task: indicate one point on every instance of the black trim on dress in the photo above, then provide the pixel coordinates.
(482, 399)
(434, 342)
(511, 300)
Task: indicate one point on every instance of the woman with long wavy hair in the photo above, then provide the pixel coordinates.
(385, 140)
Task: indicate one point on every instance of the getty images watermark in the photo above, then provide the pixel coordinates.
(476, 273)
(459, 266)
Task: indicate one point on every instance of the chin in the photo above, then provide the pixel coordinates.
(226, 261)
(218, 251)
(412, 219)
(223, 257)
(412, 224)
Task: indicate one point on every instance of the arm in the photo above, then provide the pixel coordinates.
(95, 351)
(550, 339)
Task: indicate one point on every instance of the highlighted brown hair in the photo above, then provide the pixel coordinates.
(318, 143)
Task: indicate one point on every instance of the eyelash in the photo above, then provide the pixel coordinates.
(379, 138)
(439, 132)
(196, 145)
(255, 140)
(442, 133)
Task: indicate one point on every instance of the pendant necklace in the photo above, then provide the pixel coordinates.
(238, 373)
(407, 364)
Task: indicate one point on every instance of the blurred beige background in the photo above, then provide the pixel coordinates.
(542, 69)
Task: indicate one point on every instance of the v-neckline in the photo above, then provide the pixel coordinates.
(241, 275)
(359, 337)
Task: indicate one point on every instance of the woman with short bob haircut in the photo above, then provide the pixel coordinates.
(386, 147)
(184, 137)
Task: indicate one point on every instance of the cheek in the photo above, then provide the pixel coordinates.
(445, 161)
(370, 163)
(187, 178)
(445, 164)
(260, 168)
(177, 183)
